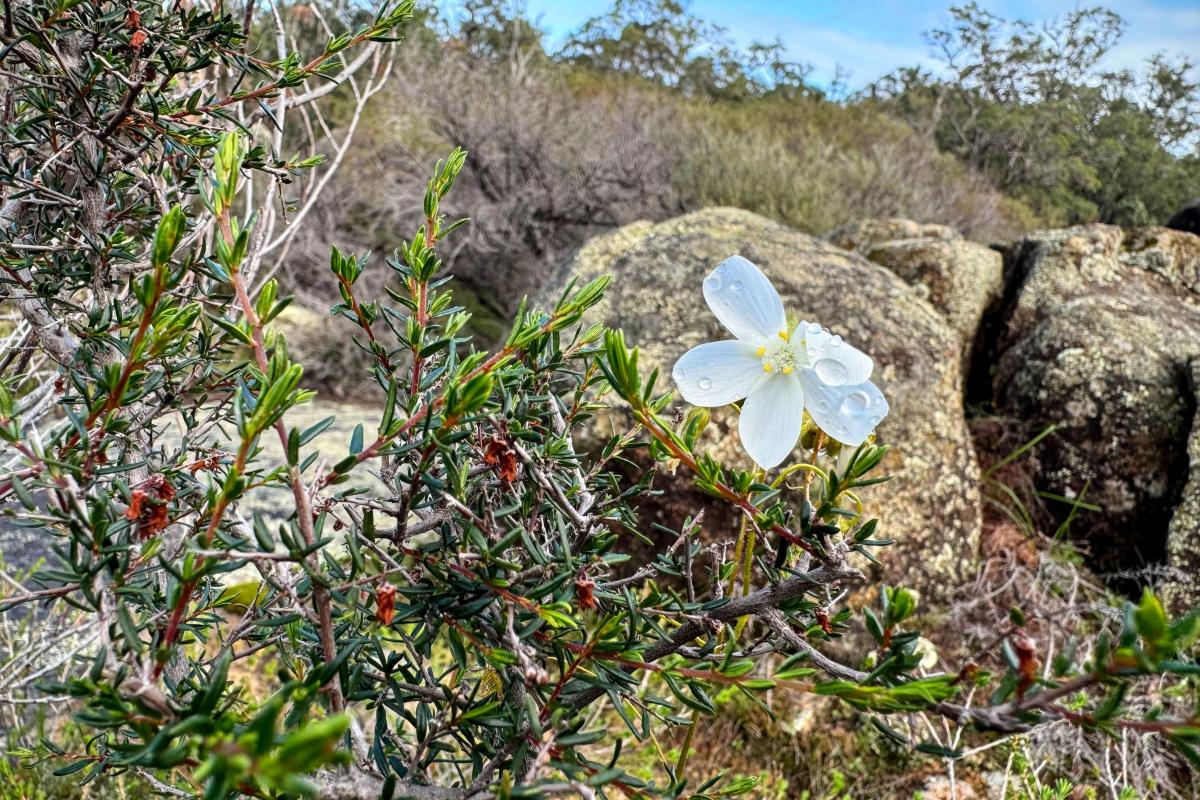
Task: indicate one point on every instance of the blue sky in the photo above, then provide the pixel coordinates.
(871, 37)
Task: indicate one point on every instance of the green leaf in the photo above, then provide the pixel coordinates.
(22, 492)
(912, 696)
(1150, 621)
(167, 236)
(74, 767)
(316, 430)
(482, 712)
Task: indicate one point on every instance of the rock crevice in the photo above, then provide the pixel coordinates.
(1183, 533)
(1096, 335)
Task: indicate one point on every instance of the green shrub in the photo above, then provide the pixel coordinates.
(233, 611)
(815, 165)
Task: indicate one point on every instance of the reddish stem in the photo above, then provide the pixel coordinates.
(726, 492)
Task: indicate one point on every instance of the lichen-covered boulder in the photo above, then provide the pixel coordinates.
(932, 505)
(864, 234)
(1098, 340)
(962, 278)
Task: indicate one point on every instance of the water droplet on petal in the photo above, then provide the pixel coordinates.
(831, 372)
(836, 341)
(720, 270)
(822, 406)
(813, 327)
(736, 286)
(855, 404)
(712, 282)
(705, 384)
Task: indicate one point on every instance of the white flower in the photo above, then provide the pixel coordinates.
(779, 372)
(927, 650)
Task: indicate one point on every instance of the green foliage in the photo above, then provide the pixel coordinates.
(1032, 107)
(562, 149)
(815, 165)
(663, 42)
(473, 617)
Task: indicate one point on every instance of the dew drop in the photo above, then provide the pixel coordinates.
(822, 406)
(736, 286)
(813, 327)
(855, 404)
(712, 282)
(705, 384)
(830, 372)
(836, 341)
(720, 270)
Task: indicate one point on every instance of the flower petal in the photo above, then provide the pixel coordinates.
(836, 363)
(744, 300)
(771, 419)
(717, 373)
(847, 413)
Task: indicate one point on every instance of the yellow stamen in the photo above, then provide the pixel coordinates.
(787, 370)
(760, 352)
(783, 335)
(768, 368)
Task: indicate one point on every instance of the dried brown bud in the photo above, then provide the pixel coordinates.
(208, 464)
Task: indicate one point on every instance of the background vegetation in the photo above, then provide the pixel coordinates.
(647, 111)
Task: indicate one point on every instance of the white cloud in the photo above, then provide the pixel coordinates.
(865, 59)
(1152, 29)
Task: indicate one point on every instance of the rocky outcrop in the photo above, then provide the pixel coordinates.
(961, 279)
(1099, 339)
(864, 234)
(932, 505)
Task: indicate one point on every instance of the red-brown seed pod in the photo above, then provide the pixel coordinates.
(150, 505)
(498, 452)
(585, 590)
(385, 604)
(968, 673)
(1027, 662)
